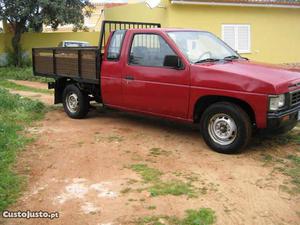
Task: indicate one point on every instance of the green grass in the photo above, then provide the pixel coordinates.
(24, 73)
(18, 87)
(159, 187)
(203, 216)
(148, 174)
(155, 152)
(292, 169)
(173, 187)
(289, 166)
(13, 73)
(15, 114)
(151, 207)
(292, 137)
(115, 138)
(125, 190)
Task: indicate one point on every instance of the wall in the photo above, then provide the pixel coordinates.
(275, 33)
(36, 40)
(137, 13)
(2, 42)
(2, 49)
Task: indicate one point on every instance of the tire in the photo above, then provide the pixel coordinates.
(76, 102)
(226, 127)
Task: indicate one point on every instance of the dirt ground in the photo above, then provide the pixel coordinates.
(80, 168)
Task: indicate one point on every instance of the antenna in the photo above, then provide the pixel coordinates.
(152, 3)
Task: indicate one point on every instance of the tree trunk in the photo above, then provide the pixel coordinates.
(19, 29)
(17, 48)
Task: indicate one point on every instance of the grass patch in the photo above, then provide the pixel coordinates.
(125, 190)
(160, 187)
(155, 152)
(203, 216)
(15, 113)
(292, 137)
(24, 73)
(289, 166)
(148, 174)
(292, 169)
(151, 207)
(111, 139)
(18, 87)
(173, 187)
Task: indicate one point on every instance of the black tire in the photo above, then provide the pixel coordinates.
(237, 119)
(81, 108)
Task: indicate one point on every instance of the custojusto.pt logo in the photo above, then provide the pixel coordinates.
(28, 214)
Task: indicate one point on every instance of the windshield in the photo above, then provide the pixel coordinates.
(200, 46)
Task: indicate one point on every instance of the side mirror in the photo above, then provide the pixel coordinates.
(173, 61)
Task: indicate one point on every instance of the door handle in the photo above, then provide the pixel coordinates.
(129, 77)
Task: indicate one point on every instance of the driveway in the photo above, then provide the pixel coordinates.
(86, 170)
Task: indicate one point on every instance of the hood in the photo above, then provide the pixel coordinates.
(242, 75)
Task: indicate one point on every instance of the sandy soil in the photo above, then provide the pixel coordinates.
(31, 84)
(45, 98)
(80, 167)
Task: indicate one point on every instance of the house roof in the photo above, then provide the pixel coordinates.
(253, 3)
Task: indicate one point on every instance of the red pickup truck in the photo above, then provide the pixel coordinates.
(181, 74)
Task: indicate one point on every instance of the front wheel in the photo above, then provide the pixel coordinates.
(226, 128)
(75, 101)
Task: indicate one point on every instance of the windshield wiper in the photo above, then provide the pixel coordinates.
(231, 57)
(207, 60)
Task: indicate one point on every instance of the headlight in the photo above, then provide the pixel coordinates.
(276, 102)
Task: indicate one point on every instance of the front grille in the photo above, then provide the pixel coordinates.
(295, 97)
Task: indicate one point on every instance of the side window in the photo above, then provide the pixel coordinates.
(149, 50)
(115, 45)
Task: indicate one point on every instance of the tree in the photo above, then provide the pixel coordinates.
(32, 14)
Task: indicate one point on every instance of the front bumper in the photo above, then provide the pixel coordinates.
(282, 121)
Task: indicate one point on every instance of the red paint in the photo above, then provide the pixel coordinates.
(173, 93)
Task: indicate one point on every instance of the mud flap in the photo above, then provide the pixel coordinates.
(58, 86)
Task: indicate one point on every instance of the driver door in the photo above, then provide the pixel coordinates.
(148, 85)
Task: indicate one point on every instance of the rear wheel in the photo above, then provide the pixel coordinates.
(75, 101)
(226, 127)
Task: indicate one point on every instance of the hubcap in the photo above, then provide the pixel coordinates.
(222, 129)
(72, 102)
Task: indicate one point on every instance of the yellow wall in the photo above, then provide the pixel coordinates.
(35, 40)
(2, 43)
(275, 33)
(136, 13)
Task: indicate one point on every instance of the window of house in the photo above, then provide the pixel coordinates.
(237, 36)
(149, 50)
(115, 45)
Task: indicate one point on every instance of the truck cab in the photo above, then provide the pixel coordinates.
(191, 76)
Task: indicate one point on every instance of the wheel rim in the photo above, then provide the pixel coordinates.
(222, 129)
(72, 102)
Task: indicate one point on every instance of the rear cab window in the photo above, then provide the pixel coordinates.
(115, 45)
